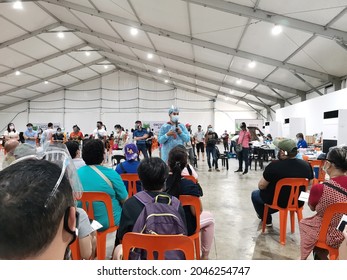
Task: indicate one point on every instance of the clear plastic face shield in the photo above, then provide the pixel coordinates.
(58, 154)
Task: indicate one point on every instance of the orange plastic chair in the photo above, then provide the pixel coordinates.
(191, 177)
(194, 201)
(305, 157)
(157, 243)
(321, 173)
(87, 199)
(292, 206)
(333, 209)
(131, 178)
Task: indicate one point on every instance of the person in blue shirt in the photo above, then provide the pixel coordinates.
(30, 135)
(130, 165)
(172, 133)
(140, 135)
(301, 143)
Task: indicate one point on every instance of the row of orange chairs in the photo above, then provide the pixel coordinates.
(89, 197)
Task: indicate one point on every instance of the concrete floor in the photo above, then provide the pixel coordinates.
(237, 229)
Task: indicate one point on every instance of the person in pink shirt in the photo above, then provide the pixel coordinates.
(244, 138)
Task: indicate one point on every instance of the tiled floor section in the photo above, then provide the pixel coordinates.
(237, 229)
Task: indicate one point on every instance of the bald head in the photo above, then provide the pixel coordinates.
(11, 145)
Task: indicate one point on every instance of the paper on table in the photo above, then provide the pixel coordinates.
(96, 225)
(304, 196)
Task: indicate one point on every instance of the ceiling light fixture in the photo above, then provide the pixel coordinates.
(166, 81)
(231, 91)
(150, 56)
(252, 64)
(18, 5)
(46, 82)
(18, 73)
(87, 53)
(134, 31)
(277, 29)
(106, 66)
(239, 81)
(61, 35)
(160, 71)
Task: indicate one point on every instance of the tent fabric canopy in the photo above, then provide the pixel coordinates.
(221, 49)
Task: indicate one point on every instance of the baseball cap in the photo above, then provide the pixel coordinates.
(188, 125)
(130, 151)
(287, 145)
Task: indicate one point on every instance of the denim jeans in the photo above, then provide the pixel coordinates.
(142, 148)
(258, 205)
(212, 151)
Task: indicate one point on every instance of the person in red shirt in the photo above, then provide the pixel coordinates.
(76, 134)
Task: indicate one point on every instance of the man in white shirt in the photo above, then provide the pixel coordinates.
(47, 134)
(100, 132)
(199, 137)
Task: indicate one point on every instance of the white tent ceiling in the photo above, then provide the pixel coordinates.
(202, 46)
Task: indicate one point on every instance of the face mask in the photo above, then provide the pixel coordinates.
(30, 128)
(174, 119)
(210, 129)
(12, 127)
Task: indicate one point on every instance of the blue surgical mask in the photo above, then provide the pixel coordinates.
(30, 128)
(174, 119)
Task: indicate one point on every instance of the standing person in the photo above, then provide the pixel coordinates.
(301, 143)
(287, 166)
(149, 141)
(225, 138)
(140, 135)
(189, 144)
(211, 139)
(119, 140)
(30, 135)
(47, 134)
(233, 142)
(11, 132)
(100, 132)
(76, 134)
(244, 139)
(172, 133)
(199, 137)
(321, 196)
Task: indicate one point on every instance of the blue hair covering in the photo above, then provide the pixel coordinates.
(173, 109)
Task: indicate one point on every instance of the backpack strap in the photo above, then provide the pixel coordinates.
(122, 167)
(145, 198)
(189, 170)
(335, 188)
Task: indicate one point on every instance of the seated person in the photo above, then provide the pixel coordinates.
(58, 136)
(176, 185)
(321, 196)
(86, 236)
(131, 164)
(189, 169)
(9, 147)
(98, 178)
(153, 173)
(75, 153)
(301, 143)
(33, 226)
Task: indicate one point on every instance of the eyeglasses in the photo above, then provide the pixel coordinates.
(58, 154)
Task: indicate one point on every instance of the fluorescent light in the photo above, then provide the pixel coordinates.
(252, 64)
(87, 53)
(277, 29)
(227, 98)
(18, 73)
(231, 91)
(18, 5)
(239, 81)
(166, 81)
(46, 82)
(106, 66)
(134, 31)
(61, 35)
(150, 56)
(160, 71)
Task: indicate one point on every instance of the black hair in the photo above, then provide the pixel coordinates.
(29, 124)
(177, 161)
(300, 135)
(338, 156)
(117, 126)
(76, 126)
(153, 173)
(93, 151)
(73, 147)
(27, 226)
(8, 127)
(50, 124)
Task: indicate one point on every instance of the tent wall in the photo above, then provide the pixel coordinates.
(123, 98)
